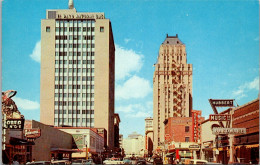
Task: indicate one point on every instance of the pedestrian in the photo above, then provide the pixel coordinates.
(15, 162)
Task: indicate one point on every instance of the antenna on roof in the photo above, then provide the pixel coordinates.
(71, 4)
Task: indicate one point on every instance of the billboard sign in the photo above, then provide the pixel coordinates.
(32, 133)
(219, 130)
(222, 102)
(220, 117)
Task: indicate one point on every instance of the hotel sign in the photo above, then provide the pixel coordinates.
(219, 117)
(219, 130)
(222, 102)
(81, 16)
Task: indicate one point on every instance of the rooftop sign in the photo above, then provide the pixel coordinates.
(222, 102)
(81, 16)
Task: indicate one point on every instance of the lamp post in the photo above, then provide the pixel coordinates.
(86, 150)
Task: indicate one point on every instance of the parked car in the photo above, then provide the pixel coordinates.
(195, 161)
(82, 162)
(113, 161)
(39, 163)
(141, 161)
(157, 160)
(60, 162)
(127, 161)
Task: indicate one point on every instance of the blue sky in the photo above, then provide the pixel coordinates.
(221, 38)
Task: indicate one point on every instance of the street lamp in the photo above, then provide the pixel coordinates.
(86, 150)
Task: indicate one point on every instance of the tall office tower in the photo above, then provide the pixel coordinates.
(172, 86)
(77, 70)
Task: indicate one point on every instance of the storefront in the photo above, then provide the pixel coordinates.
(247, 148)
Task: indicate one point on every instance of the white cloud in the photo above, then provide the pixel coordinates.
(126, 62)
(127, 40)
(135, 87)
(36, 54)
(137, 110)
(254, 84)
(26, 104)
(244, 88)
(139, 114)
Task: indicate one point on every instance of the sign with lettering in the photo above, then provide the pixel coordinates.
(81, 16)
(194, 147)
(219, 130)
(220, 117)
(14, 124)
(32, 133)
(222, 102)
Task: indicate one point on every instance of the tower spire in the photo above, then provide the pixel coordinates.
(71, 4)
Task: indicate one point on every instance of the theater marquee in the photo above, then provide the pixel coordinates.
(219, 130)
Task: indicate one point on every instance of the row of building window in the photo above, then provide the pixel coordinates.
(70, 86)
(78, 120)
(76, 78)
(84, 95)
(75, 45)
(74, 103)
(75, 37)
(75, 53)
(74, 62)
(75, 29)
(88, 112)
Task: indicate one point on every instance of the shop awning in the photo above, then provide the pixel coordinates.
(64, 150)
(247, 146)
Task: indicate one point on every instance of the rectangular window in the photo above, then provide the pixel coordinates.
(101, 29)
(187, 128)
(187, 139)
(48, 29)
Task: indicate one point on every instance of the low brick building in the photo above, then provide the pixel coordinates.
(247, 145)
(183, 129)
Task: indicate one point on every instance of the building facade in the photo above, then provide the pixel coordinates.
(52, 142)
(77, 70)
(172, 85)
(134, 145)
(149, 136)
(85, 139)
(247, 145)
(116, 131)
